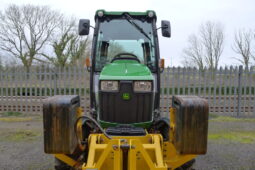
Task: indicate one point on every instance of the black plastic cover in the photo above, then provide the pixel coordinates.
(125, 130)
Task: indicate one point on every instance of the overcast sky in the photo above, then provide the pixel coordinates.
(185, 17)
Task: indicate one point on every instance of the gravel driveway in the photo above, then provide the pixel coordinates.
(231, 145)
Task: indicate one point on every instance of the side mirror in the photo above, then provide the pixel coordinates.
(166, 28)
(84, 25)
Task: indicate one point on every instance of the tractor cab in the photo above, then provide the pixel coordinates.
(125, 68)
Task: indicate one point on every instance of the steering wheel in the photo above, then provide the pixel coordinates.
(118, 57)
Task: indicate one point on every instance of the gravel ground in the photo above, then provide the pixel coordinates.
(23, 151)
(21, 146)
(232, 152)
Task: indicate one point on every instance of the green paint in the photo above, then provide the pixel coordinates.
(125, 70)
(126, 96)
(145, 125)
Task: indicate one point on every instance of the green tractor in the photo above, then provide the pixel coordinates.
(125, 129)
(125, 70)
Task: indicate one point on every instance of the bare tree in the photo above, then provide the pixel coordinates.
(253, 49)
(206, 48)
(68, 46)
(212, 38)
(80, 50)
(193, 54)
(24, 30)
(1, 63)
(243, 46)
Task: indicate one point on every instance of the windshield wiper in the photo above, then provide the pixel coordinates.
(130, 20)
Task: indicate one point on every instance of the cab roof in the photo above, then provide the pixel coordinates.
(119, 13)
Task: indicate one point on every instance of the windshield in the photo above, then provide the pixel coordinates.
(120, 36)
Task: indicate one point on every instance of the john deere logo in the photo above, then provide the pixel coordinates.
(126, 96)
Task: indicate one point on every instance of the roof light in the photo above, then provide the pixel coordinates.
(150, 14)
(100, 13)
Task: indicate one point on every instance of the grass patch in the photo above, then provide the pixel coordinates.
(240, 137)
(24, 135)
(231, 119)
(6, 114)
(213, 116)
(16, 119)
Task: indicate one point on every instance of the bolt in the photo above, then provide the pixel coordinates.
(123, 140)
(115, 147)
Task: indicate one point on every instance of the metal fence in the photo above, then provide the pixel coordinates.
(230, 91)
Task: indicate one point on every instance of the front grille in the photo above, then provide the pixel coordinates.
(114, 109)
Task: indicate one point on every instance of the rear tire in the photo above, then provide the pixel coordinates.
(59, 165)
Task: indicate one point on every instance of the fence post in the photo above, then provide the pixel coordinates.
(55, 77)
(240, 71)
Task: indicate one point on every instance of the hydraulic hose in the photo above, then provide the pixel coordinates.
(93, 121)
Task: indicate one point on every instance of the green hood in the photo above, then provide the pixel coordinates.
(125, 70)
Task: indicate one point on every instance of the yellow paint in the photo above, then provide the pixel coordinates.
(172, 123)
(142, 152)
(172, 158)
(79, 113)
(66, 159)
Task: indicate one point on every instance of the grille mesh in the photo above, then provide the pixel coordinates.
(114, 109)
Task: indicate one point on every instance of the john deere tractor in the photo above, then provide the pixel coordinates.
(124, 129)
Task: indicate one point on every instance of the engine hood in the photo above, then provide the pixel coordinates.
(125, 70)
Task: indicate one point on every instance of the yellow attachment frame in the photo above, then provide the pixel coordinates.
(131, 152)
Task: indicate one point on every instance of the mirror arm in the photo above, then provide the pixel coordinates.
(161, 27)
(92, 26)
(158, 28)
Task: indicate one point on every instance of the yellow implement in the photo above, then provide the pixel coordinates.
(145, 152)
(130, 153)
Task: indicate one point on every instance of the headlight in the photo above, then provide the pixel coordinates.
(143, 86)
(109, 85)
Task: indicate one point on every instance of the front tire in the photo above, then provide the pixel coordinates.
(187, 166)
(59, 165)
